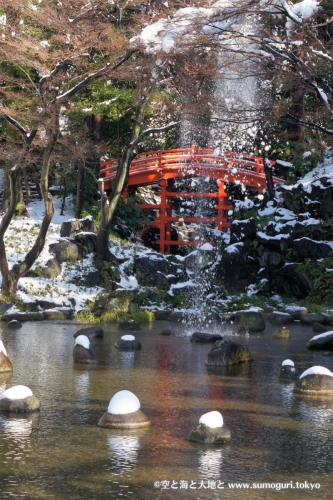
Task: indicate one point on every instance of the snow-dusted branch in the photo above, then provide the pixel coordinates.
(155, 130)
(310, 124)
(94, 76)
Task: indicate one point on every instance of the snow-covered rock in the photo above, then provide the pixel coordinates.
(82, 352)
(128, 343)
(316, 381)
(322, 341)
(212, 419)
(288, 370)
(124, 412)
(19, 399)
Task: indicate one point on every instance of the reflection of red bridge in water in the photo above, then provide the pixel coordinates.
(161, 167)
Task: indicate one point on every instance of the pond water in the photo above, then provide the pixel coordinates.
(61, 453)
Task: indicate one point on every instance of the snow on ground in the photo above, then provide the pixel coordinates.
(62, 291)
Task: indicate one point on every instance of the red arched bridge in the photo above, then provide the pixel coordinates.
(162, 167)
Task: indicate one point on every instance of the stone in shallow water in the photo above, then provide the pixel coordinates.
(205, 337)
(287, 370)
(321, 341)
(19, 399)
(82, 352)
(282, 333)
(14, 324)
(316, 381)
(226, 352)
(124, 412)
(90, 332)
(128, 343)
(129, 325)
(251, 321)
(204, 434)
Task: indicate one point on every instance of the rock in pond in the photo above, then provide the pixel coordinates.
(288, 370)
(316, 381)
(129, 325)
(210, 430)
(251, 321)
(311, 318)
(280, 318)
(82, 352)
(317, 327)
(166, 331)
(205, 337)
(226, 352)
(128, 343)
(124, 412)
(322, 341)
(5, 363)
(90, 332)
(19, 399)
(283, 333)
(14, 324)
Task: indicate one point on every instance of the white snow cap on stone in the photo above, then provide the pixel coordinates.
(2, 348)
(317, 370)
(16, 392)
(288, 362)
(128, 337)
(123, 402)
(82, 340)
(320, 336)
(212, 419)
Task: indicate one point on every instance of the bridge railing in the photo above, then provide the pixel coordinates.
(183, 157)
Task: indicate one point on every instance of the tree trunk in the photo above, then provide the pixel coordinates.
(79, 190)
(11, 278)
(269, 177)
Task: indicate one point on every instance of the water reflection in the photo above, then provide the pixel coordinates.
(82, 383)
(242, 369)
(210, 463)
(127, 358)
(4, 379)
(124, 452)
(315, 410)
(18, 427)
(287, 393)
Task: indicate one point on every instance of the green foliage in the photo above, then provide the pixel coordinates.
(321, 274)
(128, 213)
(138, 315)
(121, 316)
(87, 317)
(110, 274)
